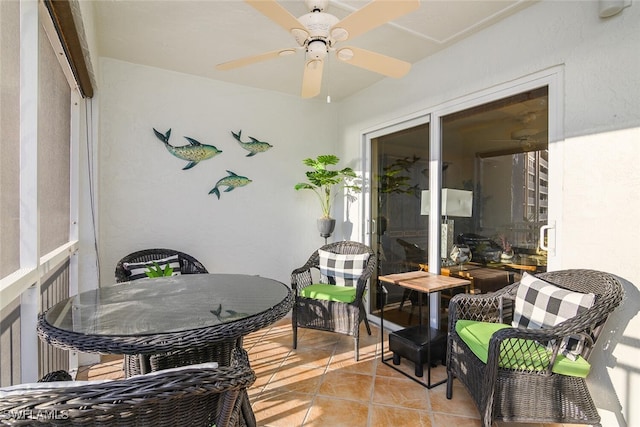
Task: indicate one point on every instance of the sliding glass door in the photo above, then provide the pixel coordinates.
(492, 163)
(400, 173)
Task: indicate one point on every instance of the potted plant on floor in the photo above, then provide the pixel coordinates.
(324, 183)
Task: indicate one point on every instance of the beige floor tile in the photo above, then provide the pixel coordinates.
(111, 368)
(400, 392)
(461, 403)
(275, 332)
(346, 385)
(252, 338)
(267, 353)
(107, 358)
(447, 420)
(330, 412)
(346, 363)
(367, 342)
(385, 416)
(282, 337)
(316, 357)
(383, 370)
(317, 339)
(281, 409)
(264, 376)
(301, 379)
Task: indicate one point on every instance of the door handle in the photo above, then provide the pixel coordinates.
(546, 235)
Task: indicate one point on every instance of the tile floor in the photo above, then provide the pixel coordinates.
(320, 384)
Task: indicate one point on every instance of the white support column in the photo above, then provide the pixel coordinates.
(29, 220)
(74, 183)
(74, 201)
(435, 238)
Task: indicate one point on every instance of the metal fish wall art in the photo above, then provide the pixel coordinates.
(254, 146)
(193, 153)
(231, 181)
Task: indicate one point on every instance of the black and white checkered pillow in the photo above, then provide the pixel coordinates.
(138, 270)
(342, 270)
(540, 304)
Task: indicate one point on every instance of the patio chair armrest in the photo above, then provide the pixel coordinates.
(524, 349)
(361, 289)
(480, 307)
(300, 279)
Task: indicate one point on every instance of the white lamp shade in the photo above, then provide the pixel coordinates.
(454, 202)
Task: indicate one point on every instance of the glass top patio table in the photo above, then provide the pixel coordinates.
(162, 314)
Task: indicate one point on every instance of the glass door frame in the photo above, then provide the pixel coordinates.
(553, 78)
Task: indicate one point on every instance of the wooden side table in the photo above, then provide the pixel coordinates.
(415, 343)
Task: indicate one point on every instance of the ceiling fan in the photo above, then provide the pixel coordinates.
(318, 32)
(528, 138)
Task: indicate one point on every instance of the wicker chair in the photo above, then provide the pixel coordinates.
(529, 393)
(333, 316)
(220, 352)
(414, 255)
(188, 264)
(194, 397)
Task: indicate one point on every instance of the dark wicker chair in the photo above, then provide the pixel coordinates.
(531, 394)
(220, 352)
(60, 375)
(344, 318)
(414, 255)
(194, 397)
(188, 264)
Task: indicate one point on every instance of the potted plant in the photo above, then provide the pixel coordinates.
(323, 182)
(156, 270)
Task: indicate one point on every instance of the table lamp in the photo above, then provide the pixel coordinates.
(454, 203)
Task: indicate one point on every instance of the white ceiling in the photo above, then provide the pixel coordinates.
(193, 36)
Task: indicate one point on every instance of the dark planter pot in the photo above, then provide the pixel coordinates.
(326, 226)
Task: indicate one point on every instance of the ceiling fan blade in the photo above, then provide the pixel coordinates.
(237, 63)
(281, 16)
(374, 14)
(373, 61)
(312, 79)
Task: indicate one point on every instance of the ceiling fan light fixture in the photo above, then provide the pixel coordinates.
(314, 64)
(345, 54)
(339, 34)
(286, 52)
(317, 50)
(300, 35)
(524, 133)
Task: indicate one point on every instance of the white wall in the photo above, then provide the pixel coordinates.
(147, 200)
(600, 188)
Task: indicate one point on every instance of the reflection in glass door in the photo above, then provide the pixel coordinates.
(400, 174)
(498, 154)
(494, 157)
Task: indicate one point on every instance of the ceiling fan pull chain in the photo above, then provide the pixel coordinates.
(328, 82)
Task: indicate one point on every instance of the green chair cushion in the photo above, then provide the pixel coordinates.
(521, 353)
(328, 292)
